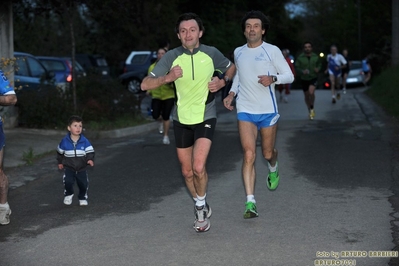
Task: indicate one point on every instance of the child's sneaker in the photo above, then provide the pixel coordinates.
(68, 200)
(83, 202)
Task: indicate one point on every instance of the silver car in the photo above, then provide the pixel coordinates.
(355, 75)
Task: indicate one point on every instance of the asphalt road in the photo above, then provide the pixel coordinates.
(335, 195)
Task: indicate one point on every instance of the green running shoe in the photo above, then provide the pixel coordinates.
(250, 210)
(272, 179)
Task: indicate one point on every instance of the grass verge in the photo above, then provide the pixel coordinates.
(385, 90)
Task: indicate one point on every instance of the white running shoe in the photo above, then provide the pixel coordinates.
(68, 200)
(202, 214)
(166, 140)
(83, 202)
(160, 129)
(5, 213)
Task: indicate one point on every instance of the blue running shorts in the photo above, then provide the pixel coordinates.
(260, 120)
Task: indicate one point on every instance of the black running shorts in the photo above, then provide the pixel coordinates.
(307, 83)
(186, 135)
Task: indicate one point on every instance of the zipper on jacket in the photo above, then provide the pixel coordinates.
(192, 64)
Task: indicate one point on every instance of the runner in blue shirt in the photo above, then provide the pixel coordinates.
(336, 62)
(7, 97)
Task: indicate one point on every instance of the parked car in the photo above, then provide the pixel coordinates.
(355, 75)
(29, 72)
(94, 63)
(62, 68)
(136, 68)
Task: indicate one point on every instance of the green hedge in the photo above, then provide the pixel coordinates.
(385, 90)
(98, 101)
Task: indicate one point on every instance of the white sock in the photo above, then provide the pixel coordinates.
(195, 199)
(5, 205)
(251, 198)
(272, 168)
(200, 201)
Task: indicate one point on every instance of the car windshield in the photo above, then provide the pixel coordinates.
(356, 64)
(139, 59)
(101, 62)
(78, 66)
(53, 65)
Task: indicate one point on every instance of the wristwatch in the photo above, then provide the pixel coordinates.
(274, 78)
(226, 79)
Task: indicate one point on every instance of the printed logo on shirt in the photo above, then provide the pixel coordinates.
(260, 57)
(208, 126)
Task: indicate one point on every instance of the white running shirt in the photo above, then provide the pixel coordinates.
(266, 59)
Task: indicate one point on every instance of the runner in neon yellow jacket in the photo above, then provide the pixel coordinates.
(162, 102)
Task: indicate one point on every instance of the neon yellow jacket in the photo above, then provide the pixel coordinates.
(194, 102)
(163, 92)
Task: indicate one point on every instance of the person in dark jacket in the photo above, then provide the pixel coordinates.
(74, 154)
(307, 66)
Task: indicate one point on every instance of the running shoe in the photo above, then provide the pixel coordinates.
(312, 114)
(272, 179)
(202, 214)
(68, 200)
(333, 100)
(344, 90)
(209, 213)
(5, 213)
(286, 99)
(83, 203)
(166, 140)
(250, 210)
(160, 129)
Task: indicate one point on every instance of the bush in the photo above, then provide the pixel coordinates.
(385, 90)
(46, 107)
(98, 100)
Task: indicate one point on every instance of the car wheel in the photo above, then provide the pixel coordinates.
(133, 86)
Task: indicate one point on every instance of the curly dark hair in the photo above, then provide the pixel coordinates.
(259, 15)
(189, 16)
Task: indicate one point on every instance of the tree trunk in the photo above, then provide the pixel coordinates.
(75, 104)
(395, 33)
(9, 113)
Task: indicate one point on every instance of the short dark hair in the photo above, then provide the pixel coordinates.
(256, 14)
(189, 16)
(74, 118)
(307, 42)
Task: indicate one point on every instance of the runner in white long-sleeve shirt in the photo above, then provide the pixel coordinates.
(259, 67)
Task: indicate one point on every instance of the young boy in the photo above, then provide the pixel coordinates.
(74, 153)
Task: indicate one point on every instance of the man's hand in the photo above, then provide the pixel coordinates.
(174, 73)
(60, 166)
(90, 162)
(216, 84)
(228, 100)
(265, 80)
